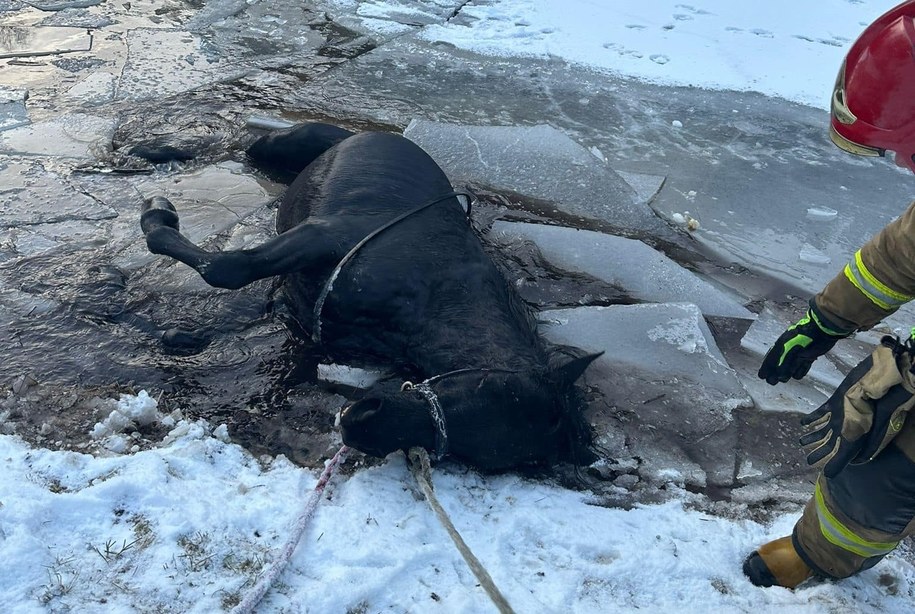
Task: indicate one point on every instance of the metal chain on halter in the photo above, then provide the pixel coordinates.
(435, 406)
(437, 413)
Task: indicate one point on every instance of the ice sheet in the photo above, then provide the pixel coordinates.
(76, 135)
(31, 196)
(642, 271)
(660, 364)
(538, 161)
(12, 108)
(17, 41)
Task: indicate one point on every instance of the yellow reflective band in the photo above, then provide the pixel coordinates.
(875, 290)
(839, 535)
(824, 328)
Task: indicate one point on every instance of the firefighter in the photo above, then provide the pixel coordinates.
(864, 499)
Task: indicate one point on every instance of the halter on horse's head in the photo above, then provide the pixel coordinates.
(490, 418)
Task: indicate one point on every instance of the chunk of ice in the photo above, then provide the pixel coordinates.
(12, 108)
(354, 377)
(642, 271)
(661, 364)
(77, 135)
(31, 197)
(812, 255)
(267, 123)
(60, 5)
(668, 347)
(18, 41)
(164, 62)
(539, 162)
(210, 200)
(821, 214)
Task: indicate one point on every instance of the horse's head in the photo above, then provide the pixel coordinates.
(491, 419)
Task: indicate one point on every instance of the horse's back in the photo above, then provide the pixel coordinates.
(373, 174)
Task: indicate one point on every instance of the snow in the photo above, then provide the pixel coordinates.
(189, 524)
(777, 48)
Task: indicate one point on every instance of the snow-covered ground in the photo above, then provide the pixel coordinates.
(189, 524)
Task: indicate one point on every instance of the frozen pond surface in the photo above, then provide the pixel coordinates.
(730, 201)
(677, 229)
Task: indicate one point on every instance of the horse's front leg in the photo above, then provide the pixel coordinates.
(304, 246)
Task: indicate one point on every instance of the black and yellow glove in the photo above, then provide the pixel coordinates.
(797, 348)
(865, 412)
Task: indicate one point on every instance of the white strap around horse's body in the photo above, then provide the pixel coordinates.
(329, 284)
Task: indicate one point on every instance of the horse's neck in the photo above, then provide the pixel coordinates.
(499, 342)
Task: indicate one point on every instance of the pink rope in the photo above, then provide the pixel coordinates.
(260, 589)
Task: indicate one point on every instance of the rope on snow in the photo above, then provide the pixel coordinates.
(419, 465)
(247, 605)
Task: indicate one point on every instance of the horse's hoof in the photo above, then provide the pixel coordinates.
(158, 211)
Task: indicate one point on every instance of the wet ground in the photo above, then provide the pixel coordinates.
(104, 103)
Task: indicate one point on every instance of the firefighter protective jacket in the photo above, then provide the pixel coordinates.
(878, 280)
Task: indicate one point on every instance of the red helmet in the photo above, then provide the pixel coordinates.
(873, 103)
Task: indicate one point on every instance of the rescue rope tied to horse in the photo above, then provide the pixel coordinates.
(420, 467)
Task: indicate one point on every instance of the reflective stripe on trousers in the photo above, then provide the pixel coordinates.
(840, 535)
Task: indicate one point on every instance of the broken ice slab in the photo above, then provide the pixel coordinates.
(33, 240)
(767, 328)
(646, 185)
(667, 347)
(211, 200)
(12, 108)
(539, 162)
(812, 255)
(354, 377)
(97, 88)
(643, 272)
(30, 195)
(267, 123)
(76, 135)
(661, 365)
(15, 303)
(18, 41)
(60, 5)
(164, 62)
(77, 18)
(393, 18)
(822, 214)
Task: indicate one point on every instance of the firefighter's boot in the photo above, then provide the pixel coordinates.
(776, 564)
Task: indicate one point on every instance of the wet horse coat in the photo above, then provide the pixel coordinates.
(421, 297)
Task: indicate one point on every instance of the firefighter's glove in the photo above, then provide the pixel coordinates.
(796, 349)
(864, 413)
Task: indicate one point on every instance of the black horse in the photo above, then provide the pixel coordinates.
(382, 266)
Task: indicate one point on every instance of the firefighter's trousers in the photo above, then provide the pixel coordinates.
(858, 517)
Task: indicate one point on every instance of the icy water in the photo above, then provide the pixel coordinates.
(87, 311)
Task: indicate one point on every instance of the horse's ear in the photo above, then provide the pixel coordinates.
(569, 372)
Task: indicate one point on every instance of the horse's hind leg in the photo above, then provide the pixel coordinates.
(292, 149)
(159, 221)
(295, 250)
